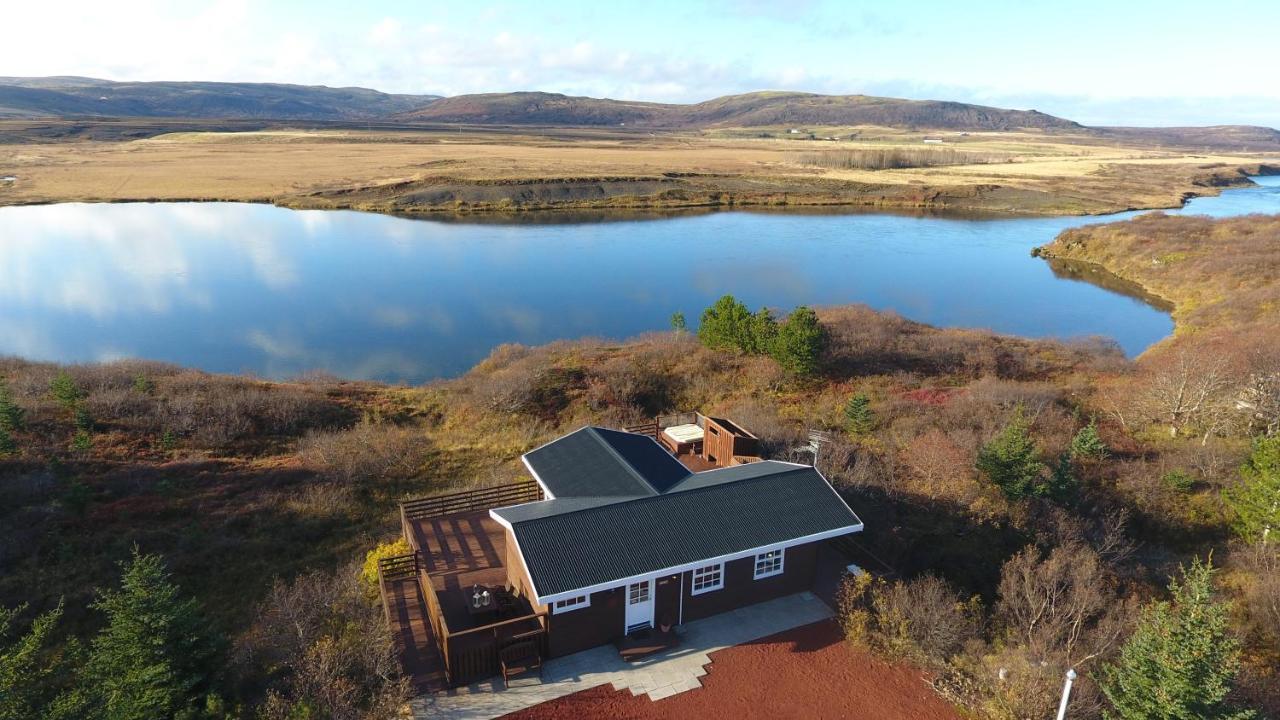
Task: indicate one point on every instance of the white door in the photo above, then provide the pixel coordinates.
(639, 605)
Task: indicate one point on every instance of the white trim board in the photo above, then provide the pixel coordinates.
(695, 564)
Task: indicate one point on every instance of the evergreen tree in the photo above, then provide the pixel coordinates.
(64, 389)
(11, 415)
(1256, 499)
(678, 323)
(155, 656)
(1062, 482)
(726, 325)
(1011, 460)
(859, 418)
(31, 668)
(1180, 662)
(763, 332)
(1088, 445)
(799, 343)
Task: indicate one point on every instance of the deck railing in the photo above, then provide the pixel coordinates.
(470, 500)
(471, 654)
(654, 426)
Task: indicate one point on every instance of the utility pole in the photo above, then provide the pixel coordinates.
(1066, 694)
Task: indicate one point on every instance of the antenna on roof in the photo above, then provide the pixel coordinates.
(817, 438)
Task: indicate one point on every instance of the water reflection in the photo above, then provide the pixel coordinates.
(234, 287)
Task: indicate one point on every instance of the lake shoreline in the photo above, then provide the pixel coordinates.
(977, 200)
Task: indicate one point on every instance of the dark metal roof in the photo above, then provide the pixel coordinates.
(601, 543)
(595, 462)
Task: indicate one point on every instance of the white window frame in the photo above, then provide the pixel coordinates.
(764, 558)
(571, 604)
(717, 569)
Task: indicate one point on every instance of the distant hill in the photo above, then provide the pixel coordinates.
(1216, 137)
(77, 96)
(749, 110)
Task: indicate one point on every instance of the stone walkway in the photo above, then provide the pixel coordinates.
(658, 676)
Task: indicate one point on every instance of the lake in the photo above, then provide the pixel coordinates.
(253, 288)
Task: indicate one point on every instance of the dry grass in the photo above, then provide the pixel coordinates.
(1218, 273)
(435, 170)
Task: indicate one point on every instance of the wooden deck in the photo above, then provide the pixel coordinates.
(459, 551)
(411, 631)
(696, 463)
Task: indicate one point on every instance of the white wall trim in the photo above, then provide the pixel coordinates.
(815, 537)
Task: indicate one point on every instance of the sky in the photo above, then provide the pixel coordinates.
(1114, 62)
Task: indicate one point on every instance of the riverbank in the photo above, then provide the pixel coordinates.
(1218, 274)
(431, 171)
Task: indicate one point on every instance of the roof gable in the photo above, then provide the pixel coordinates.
(595, 462)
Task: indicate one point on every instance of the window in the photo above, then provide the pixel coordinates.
(706, 579)
(768, 564)
(573, 603)
(638, 593)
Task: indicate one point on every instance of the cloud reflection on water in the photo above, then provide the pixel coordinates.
(235, 287)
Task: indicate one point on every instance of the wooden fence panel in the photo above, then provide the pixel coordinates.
(470, 500)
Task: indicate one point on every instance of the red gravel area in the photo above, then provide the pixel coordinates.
(808, 672)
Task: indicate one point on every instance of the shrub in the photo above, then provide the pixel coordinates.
(328, 648)
(923, 619)
(678, 323)
(369, 571)
(366, 453)
(82, 441)
(1179, 481)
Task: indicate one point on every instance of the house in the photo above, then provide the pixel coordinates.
(625, 536)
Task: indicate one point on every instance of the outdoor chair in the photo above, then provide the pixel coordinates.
(519, 658)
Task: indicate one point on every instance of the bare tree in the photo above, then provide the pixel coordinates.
(941, 466)
(334, 644)
(1057, 606)
(1192, 385)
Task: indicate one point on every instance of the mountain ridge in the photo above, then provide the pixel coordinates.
(77, 97)
(72, 96)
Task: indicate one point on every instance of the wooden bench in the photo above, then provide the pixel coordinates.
(519, 658)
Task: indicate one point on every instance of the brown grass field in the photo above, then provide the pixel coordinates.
(434, 169)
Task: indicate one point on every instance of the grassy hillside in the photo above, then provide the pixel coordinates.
(1219, 274)
(71, 96)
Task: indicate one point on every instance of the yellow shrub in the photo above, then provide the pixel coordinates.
(369, 572)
